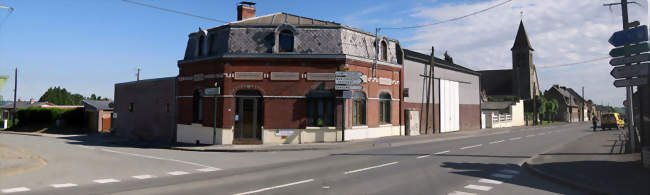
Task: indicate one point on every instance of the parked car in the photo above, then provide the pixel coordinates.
(611, 120)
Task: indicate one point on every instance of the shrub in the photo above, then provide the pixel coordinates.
(50, 115)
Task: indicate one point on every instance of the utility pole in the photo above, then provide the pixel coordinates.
(138, 74)
(583, 103)
(429, 86)
(13, 115)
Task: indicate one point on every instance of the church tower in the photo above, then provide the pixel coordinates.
(524, 75)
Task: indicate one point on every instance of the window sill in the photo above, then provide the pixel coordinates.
(320, 128)
(360, 127)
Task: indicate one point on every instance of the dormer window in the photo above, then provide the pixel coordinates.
(286, 41)
(384, 51)
(201, 42)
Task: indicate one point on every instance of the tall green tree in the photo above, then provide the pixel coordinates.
(60, 96)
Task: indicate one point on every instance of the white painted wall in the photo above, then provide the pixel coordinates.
(191, 133)
(517, 113)
(365, 132)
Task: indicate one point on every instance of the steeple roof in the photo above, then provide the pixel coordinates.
(521, 41)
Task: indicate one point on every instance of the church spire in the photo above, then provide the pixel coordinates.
(521, 41)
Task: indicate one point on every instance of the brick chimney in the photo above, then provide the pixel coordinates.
(245, 10)
(31, 101)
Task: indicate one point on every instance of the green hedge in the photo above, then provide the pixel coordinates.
(50, 115)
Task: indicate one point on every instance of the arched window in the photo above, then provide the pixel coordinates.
(359, 109)
(200, 49)
(384, 51)
(384, 108)
(197, 107)
(286, 41)
(320, 108)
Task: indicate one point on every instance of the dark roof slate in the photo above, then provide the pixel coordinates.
(521, 41)
(424, 58)
(99, 105)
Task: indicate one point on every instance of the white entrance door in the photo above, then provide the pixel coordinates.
(449, 106)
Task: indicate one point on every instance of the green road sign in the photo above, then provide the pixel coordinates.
(3, 80)
(632, 49)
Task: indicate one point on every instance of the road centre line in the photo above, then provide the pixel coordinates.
(446, 151)
(510, 171)
(209, 169)
(515, 138)
(178, 173)
(499, 175)
(106, 180)
(490, 181)
(368, 168)
(63, 185)
(143, 176)
(474, 146)
(87, 147)
(157, 158)
(424, 156)
(12, 190)
(274, 187)
(478, 187)
(496, 142)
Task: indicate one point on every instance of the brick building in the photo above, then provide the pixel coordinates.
(276, 79)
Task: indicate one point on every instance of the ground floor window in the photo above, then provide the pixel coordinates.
(384, 108)
(320, 108)
(359, 109)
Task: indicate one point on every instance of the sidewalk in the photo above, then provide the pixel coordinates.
(358, 144)
(595, 163)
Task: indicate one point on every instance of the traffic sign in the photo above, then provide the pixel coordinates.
(634, 35)
(347, 87)
(631, 82)
(631, 59)
(632, 49)
(348, 82)
(630, 71)
(347, 94)
(348, 74)
(212, 91)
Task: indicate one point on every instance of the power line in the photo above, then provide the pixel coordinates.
(575, 63)
(448, 20)
(174, 11)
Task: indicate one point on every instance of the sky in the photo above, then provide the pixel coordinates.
(86, 46)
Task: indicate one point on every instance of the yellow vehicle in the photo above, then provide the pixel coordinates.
(611, 120)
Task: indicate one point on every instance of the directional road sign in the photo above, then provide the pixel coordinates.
(630, 71)
(348, 74)
(628, 50)
(212, 91)
(631, 82)
(634, 35)
(632, 59)
(347, 87)
(348, 82)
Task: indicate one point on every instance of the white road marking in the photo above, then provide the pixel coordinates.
(87, 147)
(274, 187)
(530, 135)
(209, 169)
(326, 187)
(177, 173)
(510, 171)
(63, 185)
(157, 158)
(368, 168)
(478, 187)
(106, 181)
(12, 190)
(461, 193)
(143, 176)
(468, 147)
(490, 181)
(423, 156)
(446, 151)
(515, 138)
(504, 176)
(496, 142)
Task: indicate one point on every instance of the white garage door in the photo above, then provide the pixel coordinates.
(449, 108)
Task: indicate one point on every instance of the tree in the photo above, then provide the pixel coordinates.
(60, 96)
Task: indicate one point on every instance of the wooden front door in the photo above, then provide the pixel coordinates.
(106, 122)
(248, 119)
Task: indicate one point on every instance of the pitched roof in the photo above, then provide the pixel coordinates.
(521, 41)
(283, 18)
(22, 104)
(424, 58)
(99, 105)
(496, 105)
(566, 93)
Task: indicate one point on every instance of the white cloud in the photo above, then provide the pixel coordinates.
(560, 31)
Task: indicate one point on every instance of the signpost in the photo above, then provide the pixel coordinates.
(346, 81)
(630, 82)
(215, 92)
(633, 49)
(630, 71)
(628, 60)
(633, 35)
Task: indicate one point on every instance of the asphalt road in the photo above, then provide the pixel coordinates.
(488, 164)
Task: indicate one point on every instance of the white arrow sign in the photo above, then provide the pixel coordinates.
(631, 82)
(631, 59)
(348, 82)
(348, 74)
(347, 87)
(630, 71)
